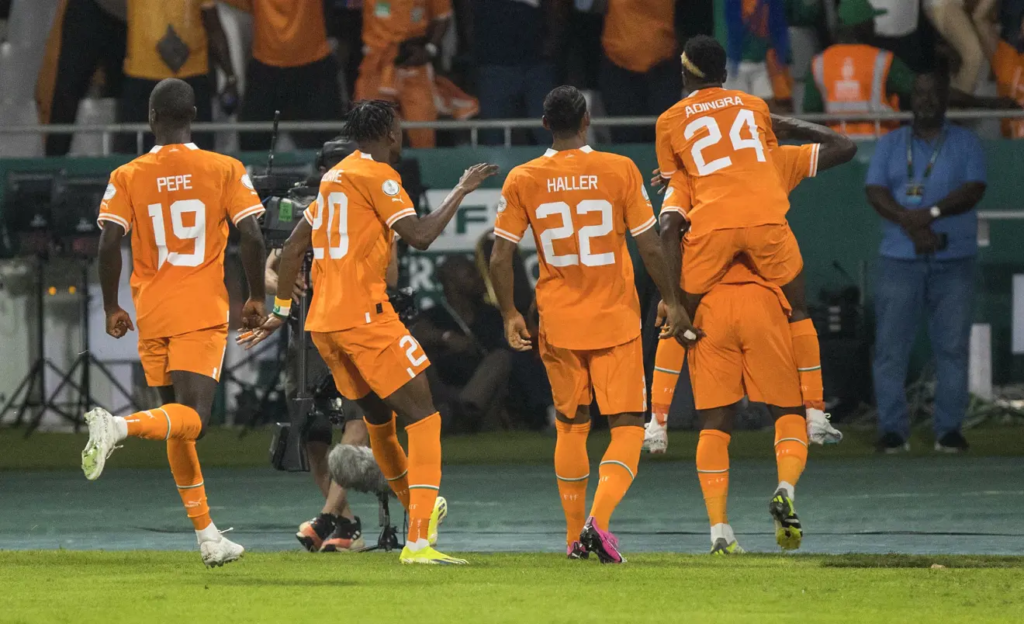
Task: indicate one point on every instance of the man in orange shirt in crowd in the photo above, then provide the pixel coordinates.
(176, 202)
(374, 359)
(580, 203)
(173, 39)
(292, 70)
(401, 39)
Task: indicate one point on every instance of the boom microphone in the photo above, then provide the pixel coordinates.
(354, 468)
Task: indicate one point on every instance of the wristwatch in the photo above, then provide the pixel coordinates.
(431, 50)
(935, 212)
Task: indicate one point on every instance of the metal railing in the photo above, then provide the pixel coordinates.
(107, 131)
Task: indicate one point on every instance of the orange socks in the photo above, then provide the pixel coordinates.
(390, 457)
(668, 361)
(424, 473)
(807, 353)
(572, 469)
(171, 421)
(181, 454)
(617, 471)
(790, 449)
(713, 471)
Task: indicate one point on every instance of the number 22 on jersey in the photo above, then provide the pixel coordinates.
(744, 118)
(585, 234)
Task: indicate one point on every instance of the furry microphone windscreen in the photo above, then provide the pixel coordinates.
(353, 468)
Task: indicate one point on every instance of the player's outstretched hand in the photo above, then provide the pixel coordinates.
(253, 337)
(676, 325)
(119, 323)
(473, 177)
(253, 314)
(657, 182)
(516, 333)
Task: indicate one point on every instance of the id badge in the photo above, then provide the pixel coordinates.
(382, 10)
(914, 194)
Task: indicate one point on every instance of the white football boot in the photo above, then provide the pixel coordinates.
(655, 437)
(103, 440)
(820, 430)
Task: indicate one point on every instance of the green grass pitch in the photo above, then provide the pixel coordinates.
(112, 587)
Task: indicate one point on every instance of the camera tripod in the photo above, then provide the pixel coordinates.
(34, 383)
(388, 539)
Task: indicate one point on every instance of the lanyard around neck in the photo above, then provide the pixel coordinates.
(931, 161)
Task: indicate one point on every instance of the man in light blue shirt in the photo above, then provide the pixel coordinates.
(927, 195)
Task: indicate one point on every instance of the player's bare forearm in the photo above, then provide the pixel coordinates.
(502, 275)
(254, 257)
(836, 148)
(649, 246)
(672, 226)
(270, 273)
(110, 264)
(421, 232)
(291, 256)
(882, 200)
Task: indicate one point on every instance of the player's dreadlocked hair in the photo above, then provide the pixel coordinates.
(704, 58)
(564, 108)
(369, 120)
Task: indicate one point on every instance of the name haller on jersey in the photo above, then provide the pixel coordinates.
(703, 107)
(572, 183)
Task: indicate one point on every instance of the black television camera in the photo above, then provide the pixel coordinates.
(285, 197)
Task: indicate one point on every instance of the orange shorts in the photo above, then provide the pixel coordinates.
(772, 250)
(747, 351)
(615, 375)
(380, 357)
(201, 351)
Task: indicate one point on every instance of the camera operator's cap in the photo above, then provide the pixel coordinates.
(856, 12)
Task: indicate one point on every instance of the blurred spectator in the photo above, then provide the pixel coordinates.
(86, 35)
(515, 44)
(401, 39)
(640, 72)
(950, 18)
(898, 30)
(1008, 61)
(925, 181)
(758, 48)
(292, 70)
(173, 39)
(345, 25)
(464, 338)
(855, 78)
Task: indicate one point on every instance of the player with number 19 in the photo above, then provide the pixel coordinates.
(374, 359)
(176, 202)
(580, 204)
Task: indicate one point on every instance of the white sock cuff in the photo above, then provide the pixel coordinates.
(789, 488)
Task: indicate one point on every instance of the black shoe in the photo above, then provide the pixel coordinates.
(952, 442)
(347, 536)
(891, 443)
(313, 533)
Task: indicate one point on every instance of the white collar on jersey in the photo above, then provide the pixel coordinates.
(366, 156)
(586, 149)
(156, 148)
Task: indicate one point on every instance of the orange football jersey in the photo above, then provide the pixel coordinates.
(580, 204)
(176, 201)
(360, 199)
(722, 140)
(387, 22)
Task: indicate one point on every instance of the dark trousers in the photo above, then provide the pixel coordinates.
(629, 94)
(509, 92)
(88, 38)
(134, 108)
(941, 291)
(304, 93)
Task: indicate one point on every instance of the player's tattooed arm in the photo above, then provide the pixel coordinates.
(254, 256)
(118, 321)
(420, 232)
(679, 327)
(502, 278)
(836, 149)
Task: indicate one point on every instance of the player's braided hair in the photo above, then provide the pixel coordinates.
(704, 58)
(564, 108)
(369, 120)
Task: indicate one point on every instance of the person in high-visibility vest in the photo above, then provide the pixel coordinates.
(851, 77)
